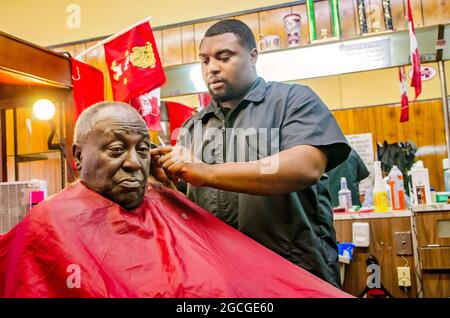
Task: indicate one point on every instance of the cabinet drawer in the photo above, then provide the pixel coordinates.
(433, 228)
(435, 257)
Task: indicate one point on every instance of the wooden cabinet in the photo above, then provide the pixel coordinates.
(252, 20)
(323, 19)
(271, 23)
(304, 26)
(172, 52)
(433, 236)
(349, 19)
(383, 246)
(436, 12)
(188, 43)
(435, 258)
(199, 31)
(398, 12)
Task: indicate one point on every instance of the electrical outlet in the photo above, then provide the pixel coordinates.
(403, 242)
(404, 276)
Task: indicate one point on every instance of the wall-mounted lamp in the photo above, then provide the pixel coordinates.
(44, 109)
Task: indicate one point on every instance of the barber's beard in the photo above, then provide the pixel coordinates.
(227, 95)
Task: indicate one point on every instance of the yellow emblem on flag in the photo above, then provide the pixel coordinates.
(117, 69)
(143, 56)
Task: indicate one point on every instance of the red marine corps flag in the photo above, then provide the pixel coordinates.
(404, 112)
(133, 63)
(88, 86)
(416, 81)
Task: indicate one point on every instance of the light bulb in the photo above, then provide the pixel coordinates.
(44, 109)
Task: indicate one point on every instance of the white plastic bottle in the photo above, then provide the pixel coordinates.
(345, 195)
(421, 183)
(380, 196)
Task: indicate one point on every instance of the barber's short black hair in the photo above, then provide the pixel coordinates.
(239, 28)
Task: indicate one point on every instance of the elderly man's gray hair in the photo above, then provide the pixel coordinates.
(88, 119)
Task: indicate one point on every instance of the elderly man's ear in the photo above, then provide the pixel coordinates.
(76, 152)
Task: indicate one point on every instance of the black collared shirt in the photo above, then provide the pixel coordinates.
(273, 117)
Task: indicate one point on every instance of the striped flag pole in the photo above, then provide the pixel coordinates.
(311, 20)
(404, 112)
(335, 18)
(416, 81)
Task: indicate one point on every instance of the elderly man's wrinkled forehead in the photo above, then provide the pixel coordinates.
(120, 117)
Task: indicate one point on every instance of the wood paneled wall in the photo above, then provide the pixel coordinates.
(29, 142)
(434, 11)
(179, 44)
(33, 143)
(48, 170)
(383, 247)
(425, 128)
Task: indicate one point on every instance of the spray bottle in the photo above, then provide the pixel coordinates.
(421, 183)
(397, 189)
(345, 195)
(380, 196)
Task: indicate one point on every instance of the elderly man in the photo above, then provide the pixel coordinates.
(106, 236)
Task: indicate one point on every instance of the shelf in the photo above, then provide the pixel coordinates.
(327, 58)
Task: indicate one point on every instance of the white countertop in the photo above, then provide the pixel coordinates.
(371, 215)
(431, 207)
(435, 207)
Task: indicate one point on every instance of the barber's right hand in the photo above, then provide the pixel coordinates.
(180, 163)
(156, 170)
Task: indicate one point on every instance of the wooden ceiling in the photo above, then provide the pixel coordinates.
(23, 63)
(16, 78)
(28, 71)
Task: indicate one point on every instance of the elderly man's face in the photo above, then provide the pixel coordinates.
(115, 157)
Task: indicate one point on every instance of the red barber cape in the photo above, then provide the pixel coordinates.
(80, 244)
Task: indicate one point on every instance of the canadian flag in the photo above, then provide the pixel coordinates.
(416, 81)
(404, 112)
(178, 114)
(149, 105)
(203, 101)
